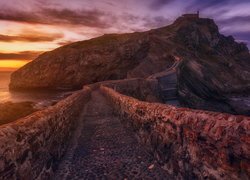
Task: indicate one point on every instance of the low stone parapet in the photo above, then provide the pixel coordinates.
(143, 89)
(189, 144)
(31, 147)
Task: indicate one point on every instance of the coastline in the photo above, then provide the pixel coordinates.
(12, 111)
(18, 104)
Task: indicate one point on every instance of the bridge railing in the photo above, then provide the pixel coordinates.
(189, 144)
(31, 147)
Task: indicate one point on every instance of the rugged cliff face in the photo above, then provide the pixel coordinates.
(104, 58)
(216, 75)
(113, 56)
(213, 73)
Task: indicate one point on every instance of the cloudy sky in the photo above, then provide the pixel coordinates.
(29, 27)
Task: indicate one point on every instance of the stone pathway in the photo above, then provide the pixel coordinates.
(102, 148)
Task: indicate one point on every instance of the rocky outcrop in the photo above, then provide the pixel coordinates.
(31, 147)
(213, 74)
(216, 72)
(189, 144)
(108, 57)
(12, 111)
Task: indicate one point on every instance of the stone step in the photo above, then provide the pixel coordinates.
(168, 94)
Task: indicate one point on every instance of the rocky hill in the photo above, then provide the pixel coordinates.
(113, 56)
(213, 69)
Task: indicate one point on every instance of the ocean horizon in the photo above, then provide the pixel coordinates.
(4, 86)
(41, 99)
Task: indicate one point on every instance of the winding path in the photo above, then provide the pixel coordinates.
(102, 148)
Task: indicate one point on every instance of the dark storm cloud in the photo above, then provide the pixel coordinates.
(158, 4)
(25, 55)
(18, 16)
(36, 37)
(242, 37)
(242, 33)
(203, 4)
(91, 18)
(111, 16)
(237, 19)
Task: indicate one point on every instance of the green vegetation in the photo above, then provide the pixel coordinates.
(10, 112)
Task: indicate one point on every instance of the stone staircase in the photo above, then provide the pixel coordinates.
(168, 84)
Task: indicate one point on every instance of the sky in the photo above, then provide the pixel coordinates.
(30, 27)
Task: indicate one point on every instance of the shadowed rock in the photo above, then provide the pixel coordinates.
(12, 111)
(216, 74)
(213, 72)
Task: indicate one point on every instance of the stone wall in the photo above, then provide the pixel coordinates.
(30, 148)
(189, 144)
(143, 89)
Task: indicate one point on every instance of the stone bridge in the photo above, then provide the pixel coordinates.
(120, 130)
(167, 82)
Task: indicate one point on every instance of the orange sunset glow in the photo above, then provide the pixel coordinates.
(21, 42)
(124, 89)
(10, 65)
(29, 28)
(26, 42)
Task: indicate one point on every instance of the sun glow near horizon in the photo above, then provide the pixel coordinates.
(11, 65)
(28, 28)
(21, 42)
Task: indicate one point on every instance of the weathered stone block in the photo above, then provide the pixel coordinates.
(189, 144)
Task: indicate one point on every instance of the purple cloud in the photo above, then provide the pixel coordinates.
(113, 16)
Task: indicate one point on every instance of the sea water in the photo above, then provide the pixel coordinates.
(42, 99)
